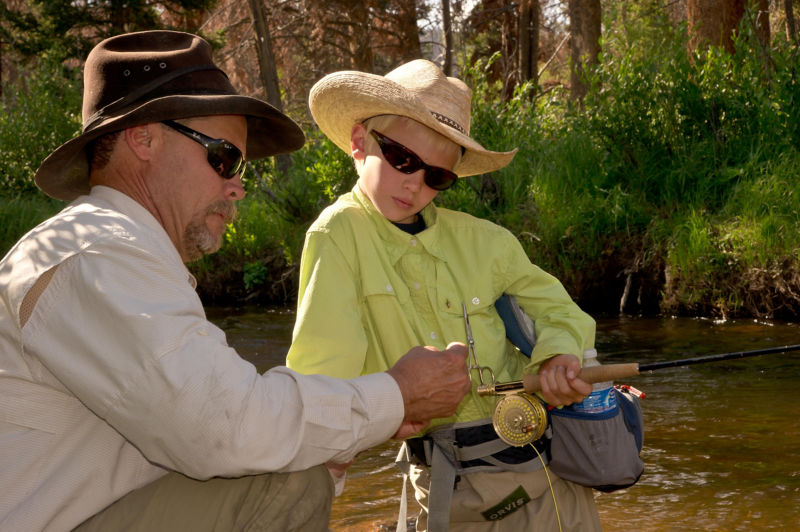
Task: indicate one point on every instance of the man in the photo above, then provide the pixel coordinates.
(118, 399)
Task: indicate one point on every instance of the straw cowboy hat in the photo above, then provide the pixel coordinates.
(417, 90)
(151, 76)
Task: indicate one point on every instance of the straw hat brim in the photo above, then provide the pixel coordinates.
(342, 99)
(64, 174)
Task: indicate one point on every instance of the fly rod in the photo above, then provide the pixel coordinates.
(607, 372)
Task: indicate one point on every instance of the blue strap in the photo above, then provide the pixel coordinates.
(513, 330)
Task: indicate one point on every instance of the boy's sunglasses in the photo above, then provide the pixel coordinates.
(408, 162)
(225, 158)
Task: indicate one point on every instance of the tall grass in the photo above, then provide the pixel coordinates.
(21, 213)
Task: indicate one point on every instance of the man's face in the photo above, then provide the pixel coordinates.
(195, 203)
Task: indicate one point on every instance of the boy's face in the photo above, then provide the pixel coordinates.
(398, 196)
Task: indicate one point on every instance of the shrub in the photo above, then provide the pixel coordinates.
(38, 113)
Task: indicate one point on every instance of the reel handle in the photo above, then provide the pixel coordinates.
(593, 374)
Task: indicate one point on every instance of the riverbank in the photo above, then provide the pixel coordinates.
(671, 189)
(705, 267)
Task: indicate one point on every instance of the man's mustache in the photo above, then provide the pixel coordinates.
(226, 208)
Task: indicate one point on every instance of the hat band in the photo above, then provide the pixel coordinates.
(446, 120)
(135, 95)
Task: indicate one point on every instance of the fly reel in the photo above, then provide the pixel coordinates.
(519, 419)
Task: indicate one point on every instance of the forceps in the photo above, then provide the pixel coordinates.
(473, 360)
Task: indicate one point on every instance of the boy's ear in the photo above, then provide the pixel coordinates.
(358, 142)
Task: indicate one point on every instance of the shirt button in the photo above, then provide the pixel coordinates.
(416, 286)
(388, 288)
(433, 336)
(476, 301)
(413, 242)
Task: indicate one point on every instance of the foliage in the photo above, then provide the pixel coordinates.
(685, 136)
(673, 188)
(65, 29)
(675, 173)
(267, 238)
(36, 115)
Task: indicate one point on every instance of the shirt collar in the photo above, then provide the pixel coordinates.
(139, 214)
(397, 241)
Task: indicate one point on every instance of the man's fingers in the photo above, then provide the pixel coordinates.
(433, 383)
(458, 348)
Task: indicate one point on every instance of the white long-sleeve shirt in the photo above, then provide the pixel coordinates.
(118, 377)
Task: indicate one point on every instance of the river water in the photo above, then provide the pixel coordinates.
(722, 440)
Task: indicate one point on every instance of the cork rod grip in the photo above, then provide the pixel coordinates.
(607, 372)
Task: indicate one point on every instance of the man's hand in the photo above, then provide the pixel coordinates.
(560, 385)
(337, 469)
(432, 382)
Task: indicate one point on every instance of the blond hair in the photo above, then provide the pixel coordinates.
(437, 142)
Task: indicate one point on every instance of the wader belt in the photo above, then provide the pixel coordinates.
(453, 450)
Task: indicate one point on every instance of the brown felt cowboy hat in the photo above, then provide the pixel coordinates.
(151, 76)
(418, 90)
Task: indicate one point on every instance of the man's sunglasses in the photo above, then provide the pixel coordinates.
(225, 158)
(408, 162)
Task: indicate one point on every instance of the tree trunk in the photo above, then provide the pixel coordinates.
(584, 24)
(791, 28)
(360, 45)
(447, 29)
(713, 22)
(762, 22)
(268, 70)
(266, 59)
(510, 47)
(409, 31)
(529, 41)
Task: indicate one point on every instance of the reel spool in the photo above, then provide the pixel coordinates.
(519, 419)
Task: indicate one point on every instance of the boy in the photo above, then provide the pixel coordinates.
(383, 268)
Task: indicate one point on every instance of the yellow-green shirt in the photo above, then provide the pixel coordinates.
(369, 292)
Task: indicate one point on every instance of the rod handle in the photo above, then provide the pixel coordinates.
(593, 374)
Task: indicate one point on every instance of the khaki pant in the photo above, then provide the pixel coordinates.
(491, 493)
(270, 502)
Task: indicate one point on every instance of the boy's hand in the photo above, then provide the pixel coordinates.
(560, 384)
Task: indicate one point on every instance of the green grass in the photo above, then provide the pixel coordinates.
(21, 213)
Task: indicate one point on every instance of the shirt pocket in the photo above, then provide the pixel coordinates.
(386, 311)
(488, 331)
(377, 284)
(479, 301)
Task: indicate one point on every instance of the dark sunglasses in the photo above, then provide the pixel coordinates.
(225, 158)
(408, 162)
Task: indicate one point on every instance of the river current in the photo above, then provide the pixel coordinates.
(722, 440)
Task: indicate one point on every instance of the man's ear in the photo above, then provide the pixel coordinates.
(358, 142)
(140, 140)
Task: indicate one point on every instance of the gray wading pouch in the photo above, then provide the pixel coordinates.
(599, 450)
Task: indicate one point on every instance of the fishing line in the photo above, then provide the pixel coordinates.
(549, 483)
(517, 420)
